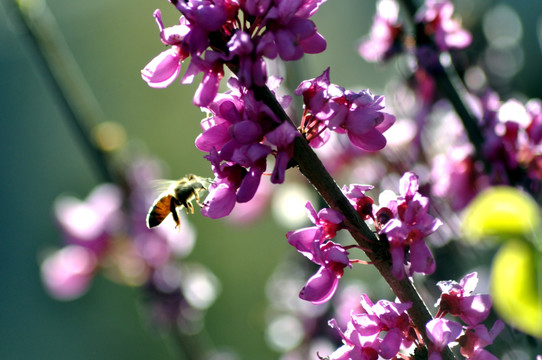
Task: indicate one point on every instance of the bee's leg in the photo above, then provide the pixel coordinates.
(198, 200)
(189, 208)
(173, 208)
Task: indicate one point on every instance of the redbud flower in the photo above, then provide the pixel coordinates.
(68, 272)
(383, 41)
(447, 32)
(283, 138)
(361, 202)
(406, 232)
(90, 223)
(331, 257)
(359, 115)
(380, 331)
(476, 338)
(457, 299)
(240, 34)
(441, 332)
(164, 68)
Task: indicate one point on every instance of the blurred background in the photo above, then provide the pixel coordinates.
(41, 158)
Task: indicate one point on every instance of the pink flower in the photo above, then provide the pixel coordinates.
(457, 299)
(380, 331)
(383, 41)
(407, 231)
(476, 338)
(68, 272)
(441, 332)
(361, 202)
(164, 68)
(447, 32)
(359, 115)
(91, 222)
(283, 138)
(331, 257)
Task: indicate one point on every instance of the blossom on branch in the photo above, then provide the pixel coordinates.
(330, 107)
(313, 242)
(380, 330)
(238, 34)
(407, 230)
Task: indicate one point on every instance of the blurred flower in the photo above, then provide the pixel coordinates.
(67, 273)
(384, 39)
(447, 32)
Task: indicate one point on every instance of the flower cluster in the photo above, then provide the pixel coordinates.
(377, 331)
(447, 33)
(331, 107)
(458, 300)
(314, 243)
(384, 40)
(512, 149)
(434, 18)
(406, 223)
(237, 33)
(238, 136)
(514, 138)
(101, 236)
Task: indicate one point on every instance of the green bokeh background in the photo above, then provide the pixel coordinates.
(41, 158)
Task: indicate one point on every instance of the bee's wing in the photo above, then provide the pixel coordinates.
(159, 210)
(160, 186)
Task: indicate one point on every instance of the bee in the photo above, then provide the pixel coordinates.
(179, 194)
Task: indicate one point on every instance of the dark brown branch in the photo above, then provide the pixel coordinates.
(313, 169)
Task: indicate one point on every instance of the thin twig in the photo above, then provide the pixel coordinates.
(63, 76)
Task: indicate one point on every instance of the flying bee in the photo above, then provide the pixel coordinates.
(179, 194)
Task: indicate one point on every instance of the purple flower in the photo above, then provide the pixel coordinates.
(294, 34)
(67, 273)
(381, 330)
(283, 138)
(90, 223)
(359, 115)
(406, 232)
(441, 332)
(331, 257)
(476, 338)
(213, 71)
(457, 299)
(382, 43)
(361, 202)
(242, 34)
(164, 68)
(447, 32)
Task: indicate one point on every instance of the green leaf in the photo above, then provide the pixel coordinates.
(516, 286)
(500, 211)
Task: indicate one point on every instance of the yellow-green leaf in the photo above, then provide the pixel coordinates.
(500, 211)
(516, 286)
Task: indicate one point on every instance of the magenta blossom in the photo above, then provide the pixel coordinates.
(441, 332)
(238, 34)
(406, 232)
(164, 68)
(457, 299)
(331, 257)
(330, 107)
(384, 39)
(447, 32)
(380, 331)
(67, 273)
(361, 202)
(90, 223)
(476, 338)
